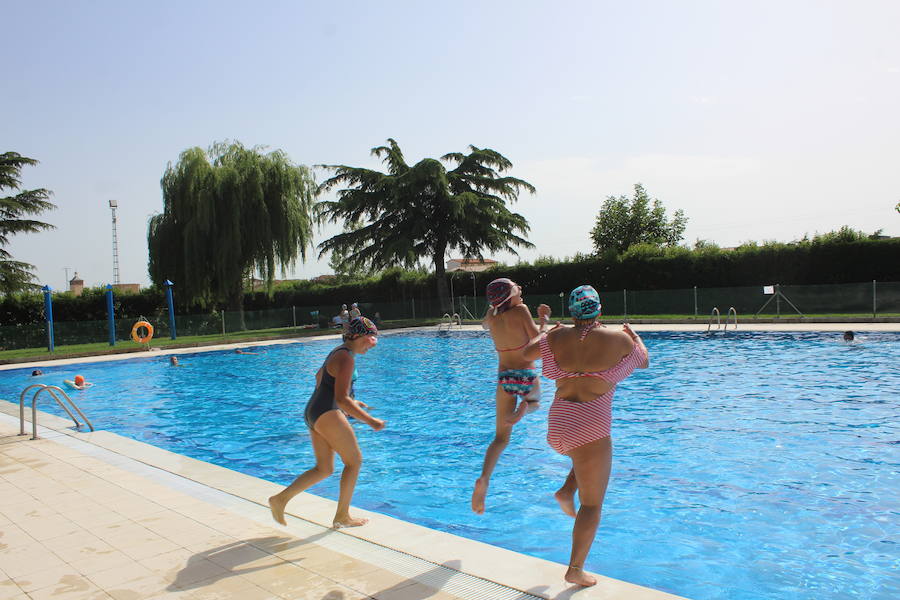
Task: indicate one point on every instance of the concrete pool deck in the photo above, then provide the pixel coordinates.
(98, 515)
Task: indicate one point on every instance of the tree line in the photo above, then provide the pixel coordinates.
(231, 213)
(832, 258)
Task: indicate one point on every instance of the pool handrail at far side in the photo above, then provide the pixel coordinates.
(453, 319)
(715, 312)
(51, 389)
(731, 311)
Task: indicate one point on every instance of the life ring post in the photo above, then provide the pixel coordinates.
(142, 332)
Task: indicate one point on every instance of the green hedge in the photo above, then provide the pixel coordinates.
(641, 268)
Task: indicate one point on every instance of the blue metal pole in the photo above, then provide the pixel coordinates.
(48, 311)
(171, 304)
(109, 315)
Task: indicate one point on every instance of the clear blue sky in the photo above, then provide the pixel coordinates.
(761, 120)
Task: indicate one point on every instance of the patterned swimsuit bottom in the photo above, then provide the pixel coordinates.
(520, 382)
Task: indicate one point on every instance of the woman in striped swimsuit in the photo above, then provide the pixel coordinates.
(595, 359)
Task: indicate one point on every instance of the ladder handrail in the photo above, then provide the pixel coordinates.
(715, 311)
(22, 406)
(451, 319)
(55, 388)
(51, 389)
(731, 310)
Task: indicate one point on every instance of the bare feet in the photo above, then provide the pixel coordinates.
(348, 521)
(577, 576)
(478, 494)
(277, 508)
(566, 502)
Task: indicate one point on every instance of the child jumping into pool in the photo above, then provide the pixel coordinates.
(329, 430)
(511, 327)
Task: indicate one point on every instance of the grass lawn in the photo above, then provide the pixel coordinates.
(121, 347)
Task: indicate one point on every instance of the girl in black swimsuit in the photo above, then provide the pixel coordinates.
(330, 431)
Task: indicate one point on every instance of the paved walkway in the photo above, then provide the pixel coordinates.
(98, 516)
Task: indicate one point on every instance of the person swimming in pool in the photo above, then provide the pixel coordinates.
(329, 430)
(586, 361)
(78, 383)
(511, 326)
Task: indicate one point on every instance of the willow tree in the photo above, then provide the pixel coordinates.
(420, 212)
(16, 275)
(229, 213)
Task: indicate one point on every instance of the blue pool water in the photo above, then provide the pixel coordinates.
(748, 465)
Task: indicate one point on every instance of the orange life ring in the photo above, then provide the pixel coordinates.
(142, 339)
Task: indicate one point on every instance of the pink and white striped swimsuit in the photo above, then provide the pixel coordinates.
(571, 423)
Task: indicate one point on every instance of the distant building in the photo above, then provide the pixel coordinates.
(324, 278)
(76, 285)
(470, 264)
(127, 288)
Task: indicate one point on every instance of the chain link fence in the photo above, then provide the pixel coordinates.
(857, 299)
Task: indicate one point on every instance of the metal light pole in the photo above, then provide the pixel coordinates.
(474, 296)
(113, 204)
(452, 304)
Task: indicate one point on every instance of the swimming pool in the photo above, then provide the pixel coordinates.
(748, 465)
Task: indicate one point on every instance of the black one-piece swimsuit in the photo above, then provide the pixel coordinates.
(322, 399)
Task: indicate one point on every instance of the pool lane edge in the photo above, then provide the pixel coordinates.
(504, 567)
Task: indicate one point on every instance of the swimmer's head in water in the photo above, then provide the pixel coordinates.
(500, 292)
(584, 303)
(36, 372)
(848, 336)
(79, 380)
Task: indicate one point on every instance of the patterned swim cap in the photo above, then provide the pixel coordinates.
(584, 303)
(362, 326)
(499, 291)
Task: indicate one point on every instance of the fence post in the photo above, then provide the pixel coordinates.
(562, 308)
(223, 323)
(624, 304)
(874, 306)
(109, 315)
(695, 301)
(294, 310)
(48, 312)
(172, 333)
(777, 300)
(413, 300)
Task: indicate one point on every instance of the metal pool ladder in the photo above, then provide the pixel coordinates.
(50, 389)
(452, 320)
(715, 313)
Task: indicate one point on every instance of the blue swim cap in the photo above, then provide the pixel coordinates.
(584, 303)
